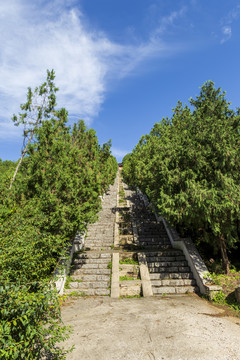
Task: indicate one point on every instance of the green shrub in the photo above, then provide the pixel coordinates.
(30, 325)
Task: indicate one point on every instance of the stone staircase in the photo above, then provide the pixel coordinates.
(169, 272)
(168, 268)
(90, 273)
(91, 269)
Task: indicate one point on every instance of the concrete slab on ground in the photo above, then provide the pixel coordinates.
(166, 328)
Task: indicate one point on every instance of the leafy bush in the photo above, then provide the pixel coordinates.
(30, 325)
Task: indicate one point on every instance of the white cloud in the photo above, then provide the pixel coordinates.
(41, 35)
(118, 153)
(227, 33)
(226, 23)
(169, 20)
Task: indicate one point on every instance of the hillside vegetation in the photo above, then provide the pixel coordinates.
(56, 193)
(189, 167)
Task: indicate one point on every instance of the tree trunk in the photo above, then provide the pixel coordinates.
(223, 248)
(19, 164)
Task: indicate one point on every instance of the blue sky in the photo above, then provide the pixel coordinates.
(120, 65)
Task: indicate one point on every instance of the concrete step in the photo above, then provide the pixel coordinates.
(91, 261)
(165, 252)
(169, 269)
(130, 287)
(93, 255)
(167, 263)
(172, 275)
(88, 292)
(152, 259)
(82, 271)
(90, 277)
(173, 282)
(89, 266)
(152, 240)
(89, 285)
(174, 290)
(98, 248)
(155, 244)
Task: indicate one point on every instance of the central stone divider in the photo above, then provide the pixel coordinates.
(126, 280)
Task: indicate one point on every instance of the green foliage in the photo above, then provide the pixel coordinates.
(228, 300)
(30, 325)
(38, 108)
(55, 195)
(128, 261)
(126, 278)
(189, 168)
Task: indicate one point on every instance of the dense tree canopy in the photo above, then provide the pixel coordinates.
(56, 194)
(189, 167)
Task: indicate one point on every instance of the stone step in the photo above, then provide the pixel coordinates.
(93, 277)
(100, 231)
(169, 269)
(89, 292)
(165, 258)
(130, 287)
(173, 282)
(156, 244)
(174, 290)
(167, 263)
(165, 252)
(89, 285)
(82, 271)
(150, 232)
(99, 237)
(99, 241)
(98, 248)
(91, 261)
(93, 255)
(89, 266)
(154, 239)
(173, 275)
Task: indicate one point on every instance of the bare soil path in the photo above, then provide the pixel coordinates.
(163, 328)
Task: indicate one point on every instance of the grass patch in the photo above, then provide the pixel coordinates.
(69, 279)
(228, 283)
(126, 278)
(109, 265)
(129, 261)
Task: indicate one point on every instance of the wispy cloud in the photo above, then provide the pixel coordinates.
(227, 33)
(118, 153)
(226, 23)
(167, 21)
(54, 34)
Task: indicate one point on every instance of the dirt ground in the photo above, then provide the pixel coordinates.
(165, 328)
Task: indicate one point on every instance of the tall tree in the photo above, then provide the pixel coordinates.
(189, 167)
(38, 107)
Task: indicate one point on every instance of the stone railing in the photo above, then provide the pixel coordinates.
(195, 262)
(62, 270)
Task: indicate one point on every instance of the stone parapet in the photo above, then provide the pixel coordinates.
(63, 267)
(195, 262)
